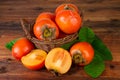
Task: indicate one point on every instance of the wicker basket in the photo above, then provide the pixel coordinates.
(42, 44)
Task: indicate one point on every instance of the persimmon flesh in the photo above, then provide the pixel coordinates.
(34, 60)
(58, 60)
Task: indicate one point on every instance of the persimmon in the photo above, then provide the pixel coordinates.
(46, 29)
(35, 59)
(67, 6)
(21, 47)
(48, 15)
(82, 53)
(68, 21)
(58, 60)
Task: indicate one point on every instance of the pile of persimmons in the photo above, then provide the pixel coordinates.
(49, 26)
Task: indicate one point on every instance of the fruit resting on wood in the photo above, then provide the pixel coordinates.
(35, 59)
(58, 60)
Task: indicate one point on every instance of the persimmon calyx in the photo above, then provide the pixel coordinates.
(48, 33)
(55, 72)
(67, 7)
(78, 58)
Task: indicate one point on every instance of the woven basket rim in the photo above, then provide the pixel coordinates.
(25, 24)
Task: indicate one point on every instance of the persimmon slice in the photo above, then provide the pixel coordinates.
(59, 60)
(35, 59)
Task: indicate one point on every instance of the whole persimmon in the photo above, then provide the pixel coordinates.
(68, 21)
(48, 15)
(67, 6)
(46, 29)
(82, 53)
(21, 47)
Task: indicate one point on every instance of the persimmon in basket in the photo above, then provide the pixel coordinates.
(68, 21)
(48, 15)
(49, 25)
(46, 29)
(67, 6)
(68, 18)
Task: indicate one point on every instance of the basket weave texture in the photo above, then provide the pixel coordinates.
(42, 44)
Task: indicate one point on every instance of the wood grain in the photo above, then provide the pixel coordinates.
(103, 16)
(93, 10)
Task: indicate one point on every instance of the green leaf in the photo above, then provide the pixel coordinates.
(102, 49)
(68, 45)
(86, 34)
(96, 67)
(10, 44)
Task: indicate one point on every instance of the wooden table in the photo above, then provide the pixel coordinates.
(103, 16)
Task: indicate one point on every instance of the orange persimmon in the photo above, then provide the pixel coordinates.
(82, 53)
(67, 6)
(68, 21)
(46, 29)
(21, 47)
(48, 15)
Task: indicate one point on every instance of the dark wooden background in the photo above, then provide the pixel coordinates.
(103, 16)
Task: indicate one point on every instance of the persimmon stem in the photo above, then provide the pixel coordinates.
(47, 33)
(67, 7)
(55, 73)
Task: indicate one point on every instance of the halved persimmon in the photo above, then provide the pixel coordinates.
(35, 59)
(58, 60)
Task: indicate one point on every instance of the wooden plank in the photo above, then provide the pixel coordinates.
(103, 16)
(93, 10)
(16, 71)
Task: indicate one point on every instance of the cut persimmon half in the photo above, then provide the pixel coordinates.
(35, 59)
(58, 60)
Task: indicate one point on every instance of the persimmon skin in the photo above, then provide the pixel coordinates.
(39, 66)
(85, 50)
(68, 21)
(67, 6)
(45, 23)
(22, 47)
(48, 15)
(36, 67)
